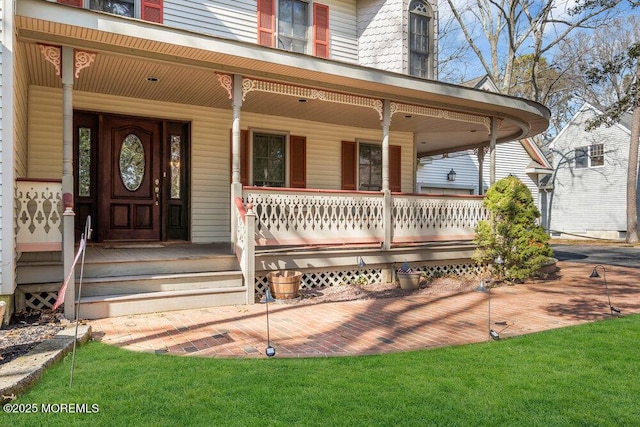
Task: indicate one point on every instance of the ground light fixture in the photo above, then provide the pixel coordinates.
(487, 290)
(594, 274)
(270, 351)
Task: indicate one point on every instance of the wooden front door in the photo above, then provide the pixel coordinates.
(131, 176)
(129, 179)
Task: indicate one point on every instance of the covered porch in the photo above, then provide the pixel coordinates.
(223, 95)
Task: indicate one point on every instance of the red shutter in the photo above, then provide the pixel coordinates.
(298, 163)
(321, 30)
(349, 157)
(152, 10)
(244, 159)
(76, 3)
(266, 23)
(395, 173)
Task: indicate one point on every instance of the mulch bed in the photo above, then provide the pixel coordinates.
(26, 330)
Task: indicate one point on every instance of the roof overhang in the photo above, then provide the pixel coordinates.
(128, 46)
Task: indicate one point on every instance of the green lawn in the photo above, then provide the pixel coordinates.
(587, 375)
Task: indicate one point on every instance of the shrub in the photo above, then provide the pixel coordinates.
(512, 232)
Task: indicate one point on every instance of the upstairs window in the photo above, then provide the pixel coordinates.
(293, 21)
(420, 39)
(148, 10)
(289, 24)
(117, 7)
(589, 156)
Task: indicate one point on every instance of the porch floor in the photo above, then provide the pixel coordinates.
(375, 326)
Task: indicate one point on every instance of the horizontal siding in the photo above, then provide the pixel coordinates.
(237, 20)
(589, 199)
(324, 147)
(20, 112)
(511, 158)
(231, 19)
(210, 152)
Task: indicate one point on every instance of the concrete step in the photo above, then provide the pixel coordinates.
(97, 307)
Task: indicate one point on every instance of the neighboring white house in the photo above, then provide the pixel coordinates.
(589, 183)
(522, 159)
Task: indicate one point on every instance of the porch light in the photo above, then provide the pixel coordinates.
(451, 176)
(594, 274)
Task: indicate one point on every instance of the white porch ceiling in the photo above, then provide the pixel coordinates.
(186, 68)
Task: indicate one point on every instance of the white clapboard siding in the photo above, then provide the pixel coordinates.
(210, 130)
(590, 201)
(231, 19)
(511, 159)
(237, 20)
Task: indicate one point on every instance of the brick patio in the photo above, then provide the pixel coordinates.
(381, 325)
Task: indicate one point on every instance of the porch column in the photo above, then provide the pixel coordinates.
(68, 238)
(480, 170)
(236, 184)
(388, 202)
(492, 150)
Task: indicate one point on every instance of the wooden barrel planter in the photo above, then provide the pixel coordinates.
(284, 284)
(409, 280)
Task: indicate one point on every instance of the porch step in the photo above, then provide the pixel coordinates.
(97, 307)
(140, 284)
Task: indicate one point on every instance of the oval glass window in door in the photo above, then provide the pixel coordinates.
(132, 162)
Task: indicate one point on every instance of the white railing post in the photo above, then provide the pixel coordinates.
(249, 255)
(388, 220)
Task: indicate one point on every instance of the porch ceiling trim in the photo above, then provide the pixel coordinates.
(40, 21)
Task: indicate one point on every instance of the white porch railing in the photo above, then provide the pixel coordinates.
(317, 217)
(423, 218)
(38, 215)
(309, 217)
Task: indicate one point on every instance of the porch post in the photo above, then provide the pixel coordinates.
(236, 184)
(492, 150)
(480, 170)
(388, 202)
(68, 238)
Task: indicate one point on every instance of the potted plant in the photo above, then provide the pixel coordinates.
(408, 278)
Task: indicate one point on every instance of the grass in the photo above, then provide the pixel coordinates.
(585, 375)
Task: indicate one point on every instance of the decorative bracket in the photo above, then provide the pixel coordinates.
(53, 55)
(82, 60)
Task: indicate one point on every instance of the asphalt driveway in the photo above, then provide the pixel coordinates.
(612, 254)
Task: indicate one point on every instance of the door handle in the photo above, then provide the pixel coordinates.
(157, 190)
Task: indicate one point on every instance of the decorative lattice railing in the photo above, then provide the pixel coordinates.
(419, 218)
(38, 215)
(290, 217)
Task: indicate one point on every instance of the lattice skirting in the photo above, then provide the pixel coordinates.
(317, 279)
(36, 297)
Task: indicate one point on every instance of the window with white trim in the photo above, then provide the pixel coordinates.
(294, 25)
(269, 160)
(589, 156)
(117, 7)
(370, 167)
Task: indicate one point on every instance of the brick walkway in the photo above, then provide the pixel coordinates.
(378, 326)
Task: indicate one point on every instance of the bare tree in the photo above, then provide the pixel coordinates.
(499, 32)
